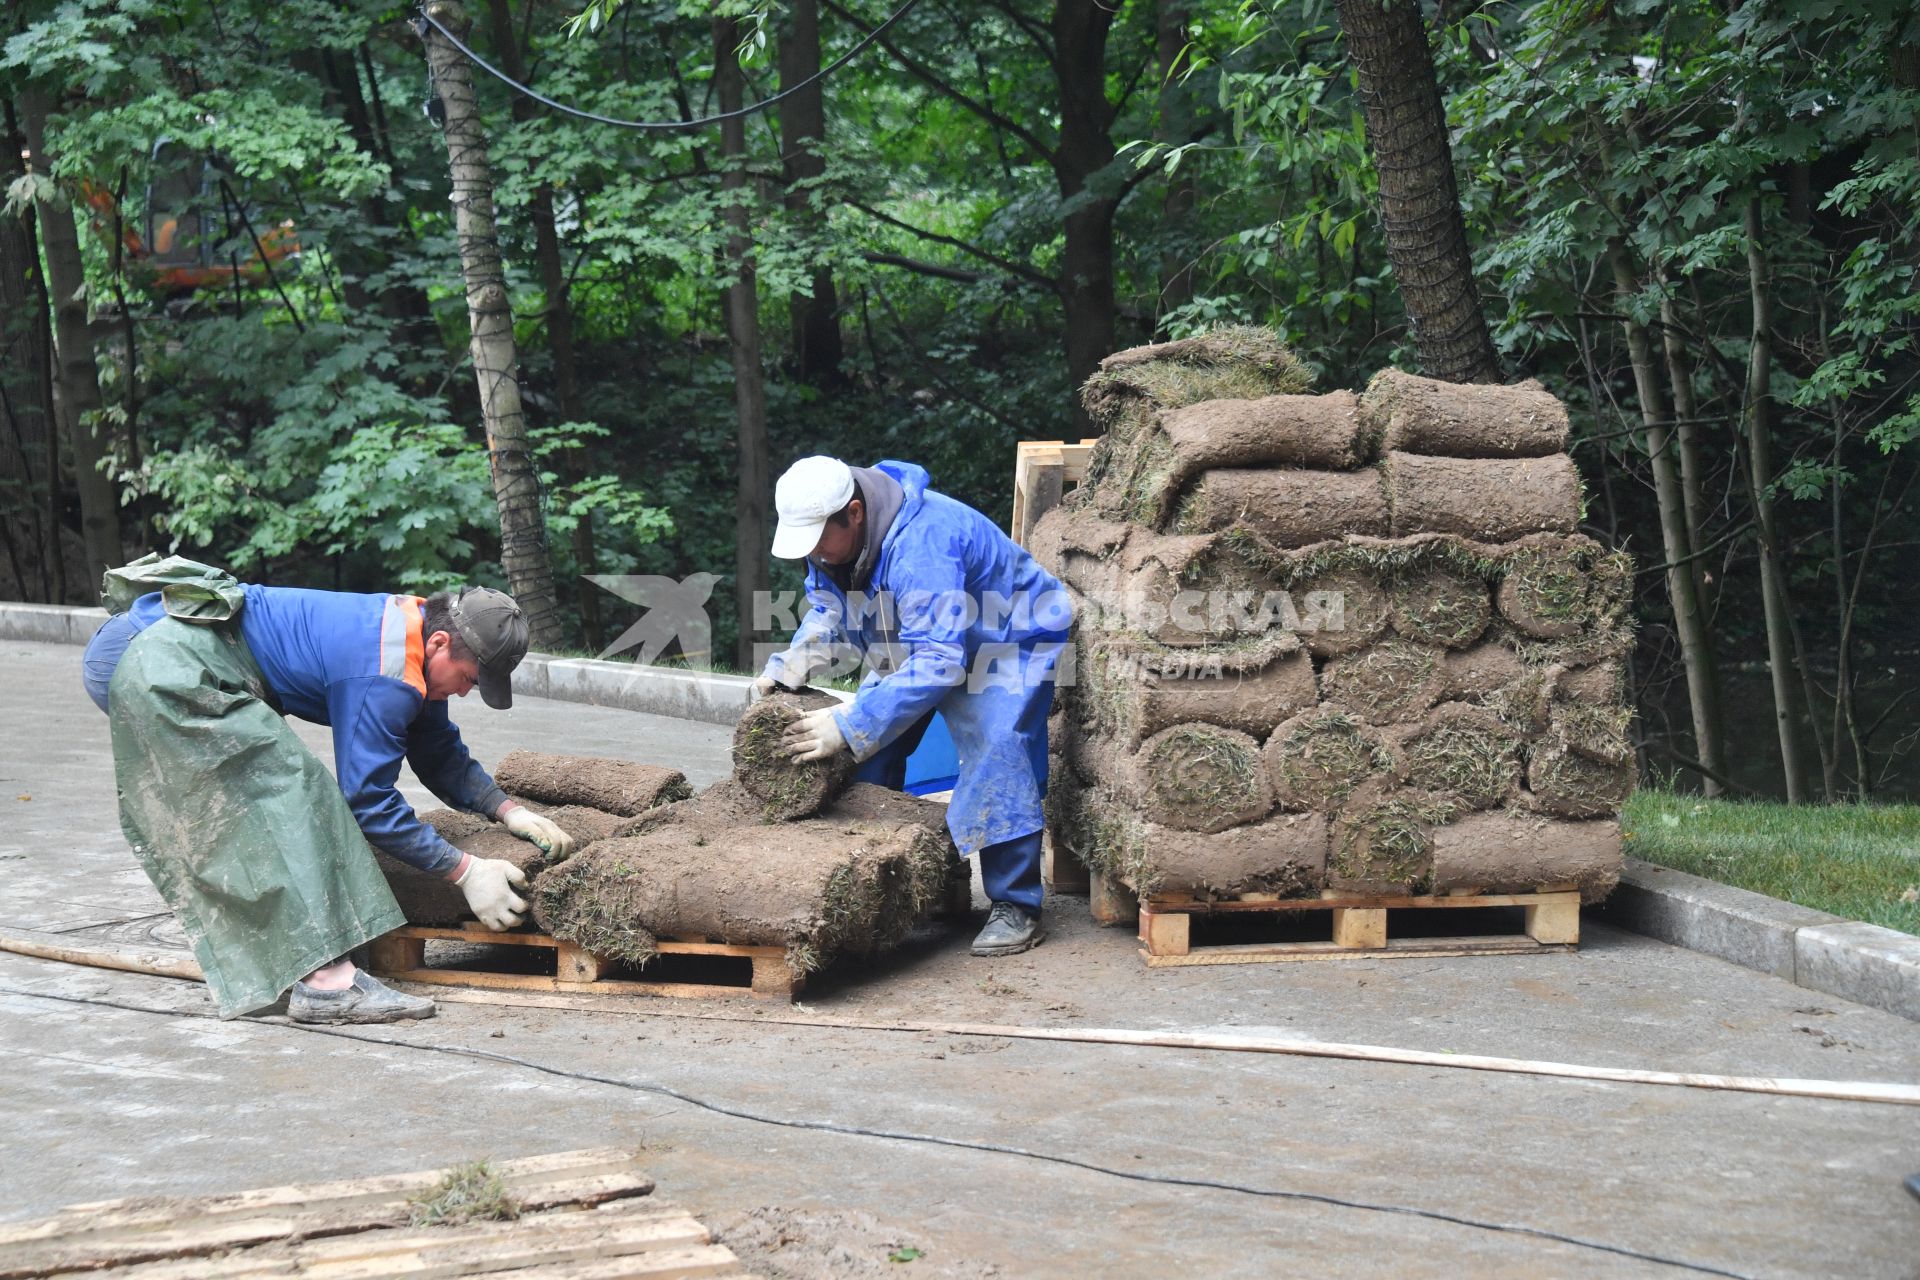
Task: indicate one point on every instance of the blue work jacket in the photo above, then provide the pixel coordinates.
(355, 663)
(958, 618)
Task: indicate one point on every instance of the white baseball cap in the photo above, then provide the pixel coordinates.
(811, 490)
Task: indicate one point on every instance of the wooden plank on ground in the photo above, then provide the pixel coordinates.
(91, 1237)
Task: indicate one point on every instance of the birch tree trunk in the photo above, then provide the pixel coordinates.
(76, 374)
(1696, 650)
(1773, 584)
(516, 481)
(1419, 199)
(741, 302)
(559, 327)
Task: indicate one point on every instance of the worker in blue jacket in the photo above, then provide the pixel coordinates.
(947, 614)
(264, 857)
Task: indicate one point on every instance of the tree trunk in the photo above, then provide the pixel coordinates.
(76, 375)
(1686, 434)
(742, 305)
(1696, 650)
(516, 481)
(817, 348)
(29, 445)
(1086, 148)
(1419, 199)
(1175, 127)
(1773, 585)
(559, 326)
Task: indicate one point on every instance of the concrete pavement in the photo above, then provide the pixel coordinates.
(117, 1101)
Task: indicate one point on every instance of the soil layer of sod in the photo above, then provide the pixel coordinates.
(612, 786)
(786, 788)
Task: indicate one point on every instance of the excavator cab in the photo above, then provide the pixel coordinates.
(196, 234)
(184, 219)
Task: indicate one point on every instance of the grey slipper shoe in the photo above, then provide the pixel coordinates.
(1010, 930)
(367, 1000)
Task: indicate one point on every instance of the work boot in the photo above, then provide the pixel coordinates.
(1010, 930)
(367, 1000)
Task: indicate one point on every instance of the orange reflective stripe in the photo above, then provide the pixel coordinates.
(403, 649)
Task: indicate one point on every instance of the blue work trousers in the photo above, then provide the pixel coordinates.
(1010, 870)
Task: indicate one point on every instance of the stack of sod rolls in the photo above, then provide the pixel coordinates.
(1334, 641)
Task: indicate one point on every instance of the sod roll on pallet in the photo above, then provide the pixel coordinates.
(1334, 641)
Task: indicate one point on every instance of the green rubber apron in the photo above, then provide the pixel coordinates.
(242, 830)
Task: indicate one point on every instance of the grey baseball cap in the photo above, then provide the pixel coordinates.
(491, 624)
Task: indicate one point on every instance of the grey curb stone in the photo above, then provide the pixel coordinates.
(660, 691)
(1749, 929)
(49, 623)
(1864, 963)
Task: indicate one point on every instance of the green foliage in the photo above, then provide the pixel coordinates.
(1855, 861)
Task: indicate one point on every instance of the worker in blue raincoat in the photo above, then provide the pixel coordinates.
(947, 614)
(262, 855)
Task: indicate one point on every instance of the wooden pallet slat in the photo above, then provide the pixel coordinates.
(1361, 926)
(401, 956)
(585, 1215)
(1042, 470)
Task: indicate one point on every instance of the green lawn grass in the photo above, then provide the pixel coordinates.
(1857, 861)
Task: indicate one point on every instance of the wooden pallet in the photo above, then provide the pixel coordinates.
(402, 955)
(1042, 470)
(584, 1215)
(1359, 927)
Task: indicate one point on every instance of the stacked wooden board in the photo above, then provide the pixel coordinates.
(579, 1215)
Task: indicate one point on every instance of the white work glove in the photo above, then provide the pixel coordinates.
(544, 832)
(489, 884)
(814, 736)
(764, 687)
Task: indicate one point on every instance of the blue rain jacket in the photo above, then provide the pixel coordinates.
(958, 618)
(354, 662)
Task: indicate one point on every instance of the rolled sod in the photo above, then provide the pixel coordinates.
(1204, 589)
(612, 786)
(786, 788)
(1285, 854)
(1501, 852)
(1198, 777)
(1599, 732)
(1554, 587)
(1464, 753)
(1289, 507)
(1144, 480)
(1477, 673)
(1133, 689)
(1441, 607)
(1230, 363)
(1464, 420)
(1318, 757)
(1393, 682)
(816, 887)
(1340, 611)
(1489, 499)
(1382, 839)
(1566, 783)
(1602, 684)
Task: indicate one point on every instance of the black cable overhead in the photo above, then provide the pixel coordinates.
(665, 126)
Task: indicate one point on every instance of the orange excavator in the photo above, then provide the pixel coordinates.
(191, 211)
